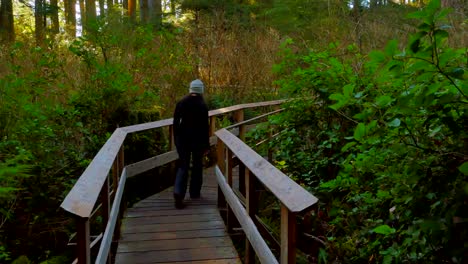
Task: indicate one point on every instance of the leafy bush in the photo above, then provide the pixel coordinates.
(381, 140)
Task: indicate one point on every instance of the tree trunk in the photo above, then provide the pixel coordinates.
(132, 10)
(101, 7)
(70, 17)
(110, 5)
(173, 7)
(157, 14)
(144, 12)
(82, 13)
(90, 13)
(54, 16)
(7, 29)
(125, 4)
(357, 20)
(39, 21)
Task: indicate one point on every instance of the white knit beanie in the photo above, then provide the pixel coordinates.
(196, 86)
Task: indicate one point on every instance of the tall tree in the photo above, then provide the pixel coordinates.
(70, 17)
(155, 7)
(7, 30)
(82, 12)
(132, 10)
(144, 11)
(54, 16)
(110, 5)
(90, 12)
(39, 20)
(101, 7)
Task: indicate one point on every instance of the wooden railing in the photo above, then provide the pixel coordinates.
(100, 188)
(253, 170)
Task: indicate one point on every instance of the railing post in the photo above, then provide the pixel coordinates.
(115, 173)
(212, 125)
(231, 218)
(171, 138)
(105, 208)
(288, 236)
(221, 159)
(121, 164)
(239, 117)
(121, 159)
(242, 179)
(83, 241)
(251, 206)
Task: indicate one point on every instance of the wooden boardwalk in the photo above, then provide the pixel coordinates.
(153, 231)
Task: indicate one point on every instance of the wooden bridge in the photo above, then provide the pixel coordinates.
(153, 231)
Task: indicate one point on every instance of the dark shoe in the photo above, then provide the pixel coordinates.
(179, 202)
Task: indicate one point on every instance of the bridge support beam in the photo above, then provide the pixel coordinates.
(83, 243)
(288, 236)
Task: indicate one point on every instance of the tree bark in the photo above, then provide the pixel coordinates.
(132, 10)
(101, 7)
(70, 17)
(157, 14)
(144, 12)
(110, 5)
(39, 21)
(82, 13)
(90, 13)
(7, 29)
(54, 16)
(173, 7)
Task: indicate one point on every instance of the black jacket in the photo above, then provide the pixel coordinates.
(191, 123)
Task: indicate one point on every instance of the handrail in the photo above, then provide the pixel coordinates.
(252, 168)
(291, 194)
(94, 182)
(251, 232)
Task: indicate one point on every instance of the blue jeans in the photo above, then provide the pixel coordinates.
(196, 177)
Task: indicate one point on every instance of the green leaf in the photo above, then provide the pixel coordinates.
(464, 168)
(387, 259)
(348, 90)
(383, 101)
(341, 101)
(348, 145)
(391, 48)
(377, 56)
(394, 123)
(457, 73)
(360, 131)
(384, 230)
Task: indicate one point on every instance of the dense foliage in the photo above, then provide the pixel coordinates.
(381, 140)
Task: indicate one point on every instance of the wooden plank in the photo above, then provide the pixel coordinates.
(172, 219)
(169, 121)
(180, 255)
(237, 124)
(251, 207)
(187, 211)
(213, 232)
(154, 228)
(151, 163)
(216, 261)
(187, 243)
(243, 106)
(147, 126)
(107, 240)
(81, 199)
(263, 252)
(292, 195)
